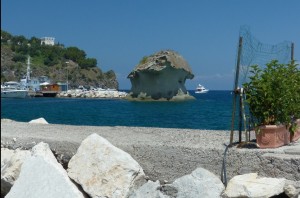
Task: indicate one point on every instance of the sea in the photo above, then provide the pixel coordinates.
(211, 111)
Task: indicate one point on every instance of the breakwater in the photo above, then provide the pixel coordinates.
(78, 93)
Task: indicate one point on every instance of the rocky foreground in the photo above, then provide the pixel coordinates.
(44, 160)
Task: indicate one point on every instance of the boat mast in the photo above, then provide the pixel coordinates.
(28, 72)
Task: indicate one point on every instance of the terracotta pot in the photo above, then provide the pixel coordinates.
(272, 136)
(296, 135)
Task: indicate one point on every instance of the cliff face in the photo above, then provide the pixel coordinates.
(160, 76)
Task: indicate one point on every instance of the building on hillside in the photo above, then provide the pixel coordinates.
(47, 40)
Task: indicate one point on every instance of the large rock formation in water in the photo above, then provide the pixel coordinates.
(160, 76)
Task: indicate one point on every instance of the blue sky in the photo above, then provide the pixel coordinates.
(118, 33)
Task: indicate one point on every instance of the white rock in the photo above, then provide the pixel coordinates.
(11, 162)
(39, 121)
(149, 190)
(100, 95)
(250, 185)
(115, 94)
(6, 120)
(290, 191)
(42, 176)
(104, 170)
(6, 154)
(200, 183)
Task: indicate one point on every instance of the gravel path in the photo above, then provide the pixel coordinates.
(119, 136)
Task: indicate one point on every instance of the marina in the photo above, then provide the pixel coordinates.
(43, 87)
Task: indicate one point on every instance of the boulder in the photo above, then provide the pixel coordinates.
(6, 155)
(250, 185)
(11, 162)
(290, 191)
(104, 170)
(159, 77)
(200, 183)
(149, 190)
(38, 121)
(42, 176)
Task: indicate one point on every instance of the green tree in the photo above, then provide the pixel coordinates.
(34, 41)
(19, 58)
(19, 40)
(5, 36)
(75, 54)
(22, 49)
(87, 63)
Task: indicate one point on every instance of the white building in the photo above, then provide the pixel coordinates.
(47, 40)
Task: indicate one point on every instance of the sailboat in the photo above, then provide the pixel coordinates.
(25, 81)
(32, 85)
(14, 89)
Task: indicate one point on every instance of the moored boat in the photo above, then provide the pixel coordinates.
(12, 89)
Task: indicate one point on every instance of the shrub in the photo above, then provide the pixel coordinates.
(273, 93)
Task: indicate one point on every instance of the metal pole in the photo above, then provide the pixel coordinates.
(244, 114)
(235, 87)
(240, 119)
(67, 80)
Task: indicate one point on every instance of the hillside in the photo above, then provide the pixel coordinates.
(56, 62)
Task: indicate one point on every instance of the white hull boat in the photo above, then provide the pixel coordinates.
(201, 89)
(14, 93)
(12, 90)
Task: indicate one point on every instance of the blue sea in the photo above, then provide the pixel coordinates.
(211, 110)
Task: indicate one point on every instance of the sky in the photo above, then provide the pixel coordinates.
(118, 33)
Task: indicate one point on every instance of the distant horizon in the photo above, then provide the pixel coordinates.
(119, 33)
(187, 90)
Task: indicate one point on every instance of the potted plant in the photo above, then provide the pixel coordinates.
(294, 79)
(272, 95)
(295, 130)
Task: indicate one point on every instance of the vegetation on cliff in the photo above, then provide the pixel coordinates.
(58, 62)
